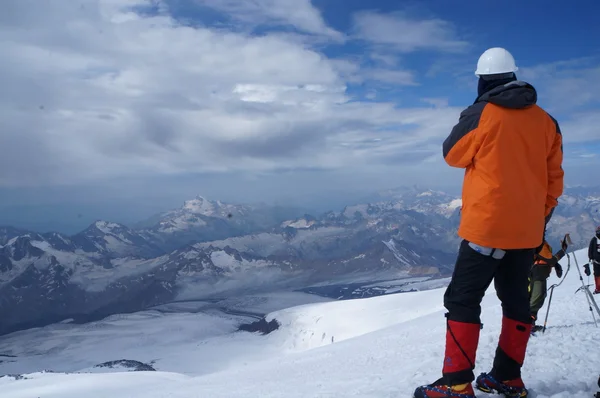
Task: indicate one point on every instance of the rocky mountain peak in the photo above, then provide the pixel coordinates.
(200, 205)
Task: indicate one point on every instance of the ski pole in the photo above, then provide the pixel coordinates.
(569, 242)
(590, 300)
(566, 240)
(548, 309)
(583, 289)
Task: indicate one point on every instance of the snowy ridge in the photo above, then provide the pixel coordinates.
(204, 220)
(384, 346)
(198, 212)
(392, 246)
(300, 223)
(112, 238)
(210, 247)
(266, 244)
(315, 325)
(39, 281)
(201, 205)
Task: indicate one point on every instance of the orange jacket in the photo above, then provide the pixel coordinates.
(512, 152)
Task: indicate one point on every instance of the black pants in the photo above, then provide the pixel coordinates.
(473, 274)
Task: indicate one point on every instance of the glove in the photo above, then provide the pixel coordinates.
(586, 268)
(558, 269)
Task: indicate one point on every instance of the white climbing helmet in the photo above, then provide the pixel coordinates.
(494, 61)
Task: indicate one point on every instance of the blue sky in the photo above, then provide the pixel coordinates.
(120, 108)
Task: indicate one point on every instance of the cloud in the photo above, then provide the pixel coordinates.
(568, 90)
(99, 90)
(397, 77)
(437, 102)
(384, 59)
(300, 14)
(553, 69)
(575, 79)
(406, 34)
(581, 127)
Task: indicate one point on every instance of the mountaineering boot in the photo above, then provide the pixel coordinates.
(511, 388)
(510, 355)
(597, 280)
(534, 327)
(441, 389)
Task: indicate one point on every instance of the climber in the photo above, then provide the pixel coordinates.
(540, 272)
(594, 258)
(508, 146)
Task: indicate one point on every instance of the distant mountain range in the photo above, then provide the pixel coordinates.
(210, 249)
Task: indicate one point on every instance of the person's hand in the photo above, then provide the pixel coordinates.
(559, 270)
(586, 269)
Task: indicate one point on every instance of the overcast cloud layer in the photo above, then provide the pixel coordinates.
(94, 89)
(100, 90)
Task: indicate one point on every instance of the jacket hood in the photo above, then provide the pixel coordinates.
(515, 95)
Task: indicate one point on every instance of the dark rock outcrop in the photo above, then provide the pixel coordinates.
(261, 326)
(135, 366)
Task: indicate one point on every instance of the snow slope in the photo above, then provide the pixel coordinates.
(170, 336)
(382, 347)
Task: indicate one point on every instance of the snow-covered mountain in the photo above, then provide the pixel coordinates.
(367, 237)
(8, 233)
(101, 239)
(115, 240)
(425, 201)
(209, 248)
(376, 347)
(201, 220)
(578, 213)
(40, 283)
